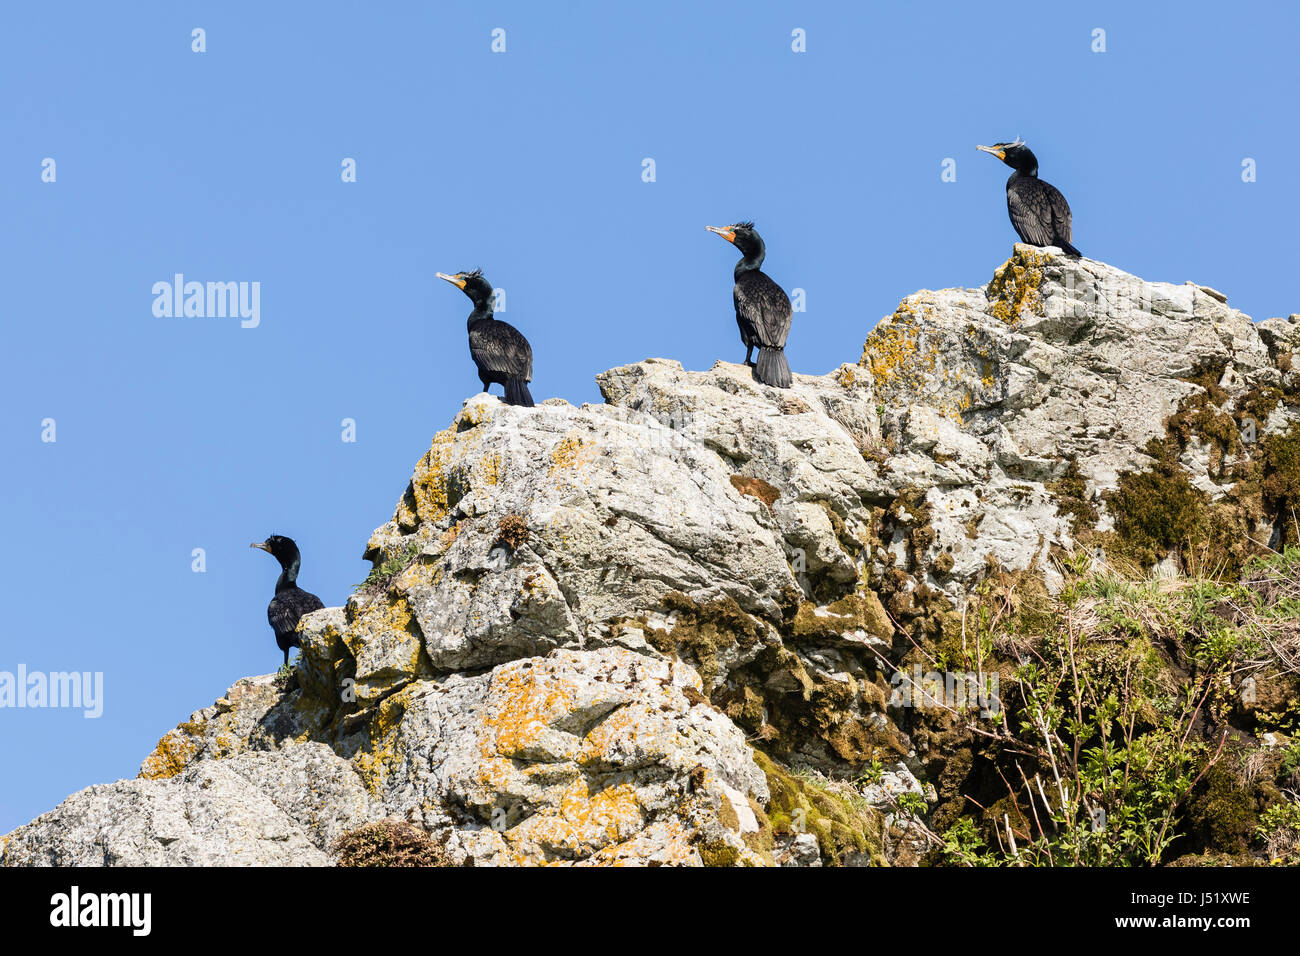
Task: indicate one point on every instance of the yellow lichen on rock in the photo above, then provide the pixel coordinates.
(429, 482)
(488, 469)
(897, 353)
(172, 755)
(570, 453)
(377, 760)
(1014, 287)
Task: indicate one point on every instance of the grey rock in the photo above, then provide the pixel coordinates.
(254, 809)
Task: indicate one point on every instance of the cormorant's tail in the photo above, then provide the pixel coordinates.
(772, 368)
(1069, 250)
(517, 393)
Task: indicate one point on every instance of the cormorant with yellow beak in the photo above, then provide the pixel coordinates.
(499, 350)
(762, 308)
(1038, 210)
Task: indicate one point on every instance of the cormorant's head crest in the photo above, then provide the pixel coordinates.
(281, 548)
(471, 283)
(742, 235)
(1015, 154)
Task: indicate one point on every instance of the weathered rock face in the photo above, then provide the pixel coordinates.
(582, 618)
(253, 809)
(603, 493)
(1057, 369)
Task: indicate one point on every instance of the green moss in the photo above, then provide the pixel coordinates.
(1207, 374)
(775, 699)
(858, 611)
(1157, 511)
(761, 840)
(1071, 493)
(1224, 812)
(719, 854)
(843, 827)
(702, 631)
(1280, 484)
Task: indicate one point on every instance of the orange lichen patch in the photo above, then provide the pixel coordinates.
(674, 850)
(954, 409)
(632, 727)
(571, 452)
(615, 812)
(363, 619)
(488, 469)
(448, 537)
(376, 761)
(429, 483)
(418, 573)
(532, 700)
(537, 584)
(897, 353)
(472, 415)
(756, 488)
(585, 821)
(391, 623)
(846, 377)
(1014, 287)
(172, 755)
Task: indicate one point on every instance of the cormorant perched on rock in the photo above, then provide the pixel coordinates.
(762, 308)
(1038, 210)
(499, 350)
(290, 602)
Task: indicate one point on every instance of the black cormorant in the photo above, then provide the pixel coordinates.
(1038, 210)
(290, 602)
(499, 350)
(762, 307)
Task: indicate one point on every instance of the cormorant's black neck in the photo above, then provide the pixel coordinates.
(752, 261)
(1026, 164)
(289, 576)
(482, 310)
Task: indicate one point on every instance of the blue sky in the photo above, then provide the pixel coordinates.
(175, 433)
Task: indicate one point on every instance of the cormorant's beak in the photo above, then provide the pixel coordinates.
(457, 281)
(993, 151)
(262, 546)
(728, 234)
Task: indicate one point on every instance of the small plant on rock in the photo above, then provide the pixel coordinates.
(512, 531)
(387, 569)
(389, 843)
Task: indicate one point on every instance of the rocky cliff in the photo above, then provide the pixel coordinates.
(713, 622)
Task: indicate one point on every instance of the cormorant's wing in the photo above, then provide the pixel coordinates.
(500, 347)
(742, 317)
(287, 607)
(766, 306)
(1061, 226)
(1039, 212)
(310, 602)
